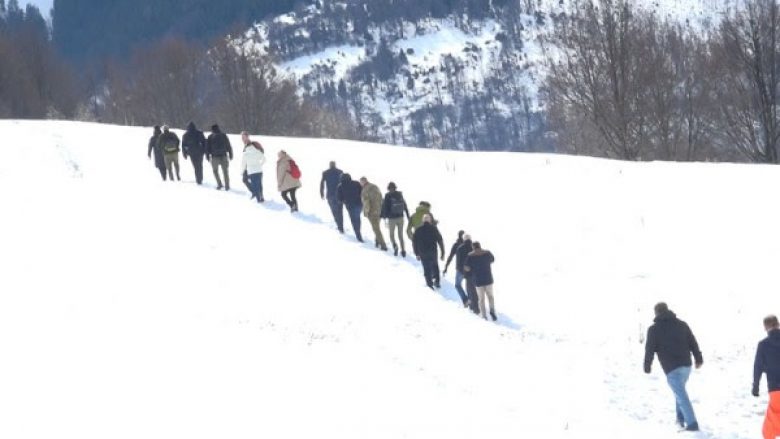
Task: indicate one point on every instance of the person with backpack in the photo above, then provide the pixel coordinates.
(673, 341)
(330, 181)
(193, 144)
(416, 219)
(461, 274)
(154, 147)
(426, 241)
(393, 209)
(349, 193)
(371, 197)
(288, 179)
(458, 276)
(219, 152)
(252, 166)
(478, 264)
(768, 362)
(169, 143)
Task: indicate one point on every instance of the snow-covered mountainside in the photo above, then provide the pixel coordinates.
(462, 79)
(136, 308)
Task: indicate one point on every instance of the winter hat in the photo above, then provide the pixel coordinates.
(391, 186)
(215, 128)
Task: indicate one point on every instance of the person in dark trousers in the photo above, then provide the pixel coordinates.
(330, 181)
(193, 144)
(252, 166)
(461, 275)
(673, 341)
(478, 264)
(453, 252)
(219, 152)
(287, 183)
(768, 362)
(393, 209)
(426, 241)
(169, 143)
(348, 193)
(154, 148)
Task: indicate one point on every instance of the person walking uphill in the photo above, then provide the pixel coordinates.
(458, 275)
(478, 264)
(193, 144)
(330, 181)
(371, 198)
(219, 152)
(169, 143)
(426, 241)
(768, 362)
(416, 220)
(393, 209)
(674, 342)
(349, 193)
(461, 254)
(252, 165)
(154, 147)
(288, 179)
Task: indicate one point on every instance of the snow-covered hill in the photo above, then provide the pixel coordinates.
(136, 308)
(462, 80)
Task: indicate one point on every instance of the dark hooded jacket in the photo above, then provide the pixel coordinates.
(349, 191)
(154, 147)
(193, 142)
(462, 253)
(218, 144)
(330, 181)
(477, 265)
(673, 341)
(768, 361)
(391, 198)
(427, 240)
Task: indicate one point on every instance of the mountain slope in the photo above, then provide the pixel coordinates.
(137, 308)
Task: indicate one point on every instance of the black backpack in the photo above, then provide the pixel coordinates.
(397, 206)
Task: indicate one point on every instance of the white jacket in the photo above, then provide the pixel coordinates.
(253, 160)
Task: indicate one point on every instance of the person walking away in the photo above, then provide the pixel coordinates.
(348, 193)
(193, 144)
(462, 275)
(252, 165)
(219, 152)
(154, 148)
(288, 179)
(393, 209)
(458, 276)
(371, 198)
(478, 263)
(768, 362)
(674, 342)
(426, 241)
(169, 143)
(331, 178)
(416, 220)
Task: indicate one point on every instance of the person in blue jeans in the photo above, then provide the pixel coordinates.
(348, 193)
(674, 342)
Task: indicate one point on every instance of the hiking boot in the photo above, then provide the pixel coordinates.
(395, 251)
(219, 187)
(403, 253)
(437, 285)
(383, 248)
(227, 187)
(493, 315)
(359, 239)
(692, 427)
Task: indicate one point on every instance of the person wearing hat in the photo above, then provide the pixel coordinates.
(154, 147)
(393, 210)
(219, 152)
(331, 178)
(193, 144)
(673, 341)
(348, 193)
(371, 197)
(169, 144)
(768, 362)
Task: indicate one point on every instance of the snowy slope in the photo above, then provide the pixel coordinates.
(136, 308)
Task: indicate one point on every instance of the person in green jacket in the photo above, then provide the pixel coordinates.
(417, 218)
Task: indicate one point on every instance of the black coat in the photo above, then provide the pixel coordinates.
(477, 264)
(169, 142)
(330, 181)
(673, 341)
(349, 192)
(461, 254)
(154, 146)
(193, 142)
(768, 361)
(387, 204)
(218, 145)
(427, 239)
(453, 251)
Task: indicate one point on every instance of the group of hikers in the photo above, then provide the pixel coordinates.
(674, 343)
(472, 262)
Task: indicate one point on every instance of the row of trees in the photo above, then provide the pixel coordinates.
(625, 84)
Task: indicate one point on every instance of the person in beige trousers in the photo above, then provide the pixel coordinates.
(372, 199)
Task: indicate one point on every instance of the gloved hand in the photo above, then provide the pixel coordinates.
(698, 365)
(754, 392)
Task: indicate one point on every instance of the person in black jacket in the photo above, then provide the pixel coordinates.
(462, 253)
(393, 209)
(193, 144)
(330, 181)
(426, 241)
(768, 362)
(674, 342)
(478, 264)
(154, 147)
(348, 193)
(219, 152)
(453, 253)
(169, 144)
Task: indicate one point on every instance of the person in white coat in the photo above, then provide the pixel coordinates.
(252, 166)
